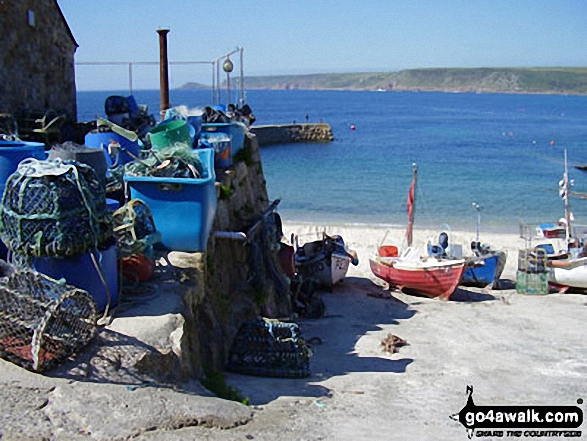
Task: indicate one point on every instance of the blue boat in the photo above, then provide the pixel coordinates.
(484, 268)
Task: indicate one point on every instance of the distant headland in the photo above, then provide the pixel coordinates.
(544, 80)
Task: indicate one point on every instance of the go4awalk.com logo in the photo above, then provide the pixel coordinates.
(520, 421)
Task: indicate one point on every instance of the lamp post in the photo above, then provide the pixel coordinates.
(227, 66)
(477, 207)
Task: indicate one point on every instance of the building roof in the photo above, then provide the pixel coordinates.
(66, 24)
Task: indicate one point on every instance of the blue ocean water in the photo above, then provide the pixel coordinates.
(502, 151)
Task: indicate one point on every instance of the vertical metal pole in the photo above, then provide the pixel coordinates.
(213, 83)
(163, 71)
(218, 80)
(242, 98)
(130, 77)
(227, 89)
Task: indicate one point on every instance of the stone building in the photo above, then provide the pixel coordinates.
(36, 58)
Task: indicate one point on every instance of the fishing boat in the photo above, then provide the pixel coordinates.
(484, 268)
(430, 276)
(326, 260)
(485, 265)
(570, 271)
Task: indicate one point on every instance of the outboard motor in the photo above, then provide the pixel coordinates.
(443, 242)
(117, 110)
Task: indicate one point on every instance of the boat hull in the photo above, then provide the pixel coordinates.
(326, 270)
(431, 281)
(483, 271)
(573, 275)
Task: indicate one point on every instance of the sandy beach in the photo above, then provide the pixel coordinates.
(513, 349)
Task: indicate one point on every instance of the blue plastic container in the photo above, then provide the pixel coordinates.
(101, 140)
(221, 144)
(79, 271)
(12, 152)
(236, 130)
(183, 209)
(196, 123)
(112, 204)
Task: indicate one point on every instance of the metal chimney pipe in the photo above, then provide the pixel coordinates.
(163, 71)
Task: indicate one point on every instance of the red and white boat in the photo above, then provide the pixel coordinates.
(428, 276)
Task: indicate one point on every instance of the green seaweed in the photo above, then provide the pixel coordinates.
(215, 381)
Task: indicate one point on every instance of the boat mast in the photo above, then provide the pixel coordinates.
(411, 205)
(565, 195)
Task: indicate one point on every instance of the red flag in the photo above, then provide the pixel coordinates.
(411, 207)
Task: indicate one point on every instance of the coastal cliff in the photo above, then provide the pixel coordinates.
(548, 80)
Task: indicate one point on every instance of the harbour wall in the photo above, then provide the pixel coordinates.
(289, 133)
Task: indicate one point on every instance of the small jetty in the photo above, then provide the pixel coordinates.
(290, 133)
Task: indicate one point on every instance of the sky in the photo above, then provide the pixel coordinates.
(321, 36)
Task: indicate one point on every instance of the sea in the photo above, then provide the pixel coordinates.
(504, 152)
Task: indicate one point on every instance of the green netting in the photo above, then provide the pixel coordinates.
(54, 208)
(270, 348)
(178, 161)
(134, 228)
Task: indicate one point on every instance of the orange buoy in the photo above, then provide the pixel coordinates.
(352, 127)
(552, 143)
(137, 268)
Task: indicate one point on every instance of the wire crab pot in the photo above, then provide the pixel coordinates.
(43, 322)
(134, 228)
(54, 208)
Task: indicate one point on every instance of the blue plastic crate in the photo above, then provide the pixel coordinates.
(101, 140)
(183, 209)
(236, 130)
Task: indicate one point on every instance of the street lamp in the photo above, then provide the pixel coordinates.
(227, 66)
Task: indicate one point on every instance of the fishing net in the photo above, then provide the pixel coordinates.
(134, 228)
(42, 322)
(270, 348)
(54, 208)
(177, 161)
(532, 274)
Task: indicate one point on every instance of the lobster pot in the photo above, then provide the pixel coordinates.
(54, 208)
(270, 348)
(134, 228)
(42, 322)
(532, 276)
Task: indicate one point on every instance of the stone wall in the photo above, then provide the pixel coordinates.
(239, 283)
(36, 57)
(288, 133)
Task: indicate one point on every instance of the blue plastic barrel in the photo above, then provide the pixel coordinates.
(101, 140)
(221, 144)
(196, 122)
(80, 271)
(12, 152)
(236, 130)
(183, 209)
